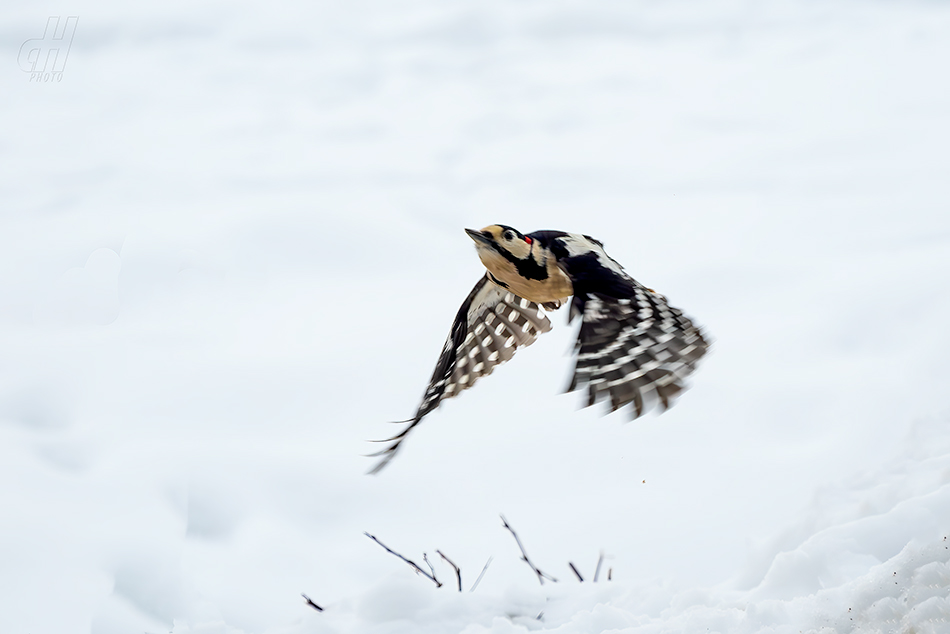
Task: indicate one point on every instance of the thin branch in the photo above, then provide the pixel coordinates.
(311, 603)
(481, 574)
(524, 556)
(458, 573)
(600, 560)
(425, 558)
(579, 577)
(414, 565)
(610, 574)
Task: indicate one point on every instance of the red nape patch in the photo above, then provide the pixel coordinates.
(527, 239)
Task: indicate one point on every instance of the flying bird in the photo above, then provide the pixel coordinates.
(633, 348)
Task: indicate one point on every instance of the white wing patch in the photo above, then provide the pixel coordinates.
(577, 244)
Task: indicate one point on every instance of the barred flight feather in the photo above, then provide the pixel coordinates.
(489, 327)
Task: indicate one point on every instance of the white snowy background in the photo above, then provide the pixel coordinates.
(231, 247)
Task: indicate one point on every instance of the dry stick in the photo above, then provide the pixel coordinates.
(425, 558)
(600, 560)
(579, 577)
(414, 565)
(481, 574)
(610, 573)
(311, 603)
(458, 573)
(524, 556)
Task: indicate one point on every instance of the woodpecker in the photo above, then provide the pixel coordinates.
(633, 348)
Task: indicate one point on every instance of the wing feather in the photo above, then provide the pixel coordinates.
(491, 325)
(632, 347)
(636, 350)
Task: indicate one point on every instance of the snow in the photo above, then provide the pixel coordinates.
(231, 243)
(871, 554)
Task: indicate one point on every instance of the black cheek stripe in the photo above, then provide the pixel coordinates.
(528, 269)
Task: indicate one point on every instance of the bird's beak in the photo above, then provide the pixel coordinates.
(478, 236)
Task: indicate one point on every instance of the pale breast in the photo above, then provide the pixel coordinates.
(557, 285)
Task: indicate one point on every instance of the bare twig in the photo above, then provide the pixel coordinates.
(414, 565)
(481, 574)
(610, 574)
(458, 573)
(600, 560)
(524, 556)
(425, 558)
(579, 577)
(311, 603)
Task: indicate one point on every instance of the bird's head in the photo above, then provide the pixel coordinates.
(500, 240)
(520, 264)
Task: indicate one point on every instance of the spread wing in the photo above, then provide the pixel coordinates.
(633, 347)
(489, 327)
(635, 350)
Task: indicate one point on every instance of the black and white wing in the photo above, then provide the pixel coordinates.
(489, 327)
(633, 347)
(635, 350)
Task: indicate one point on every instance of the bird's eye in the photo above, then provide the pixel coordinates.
(509, 235)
